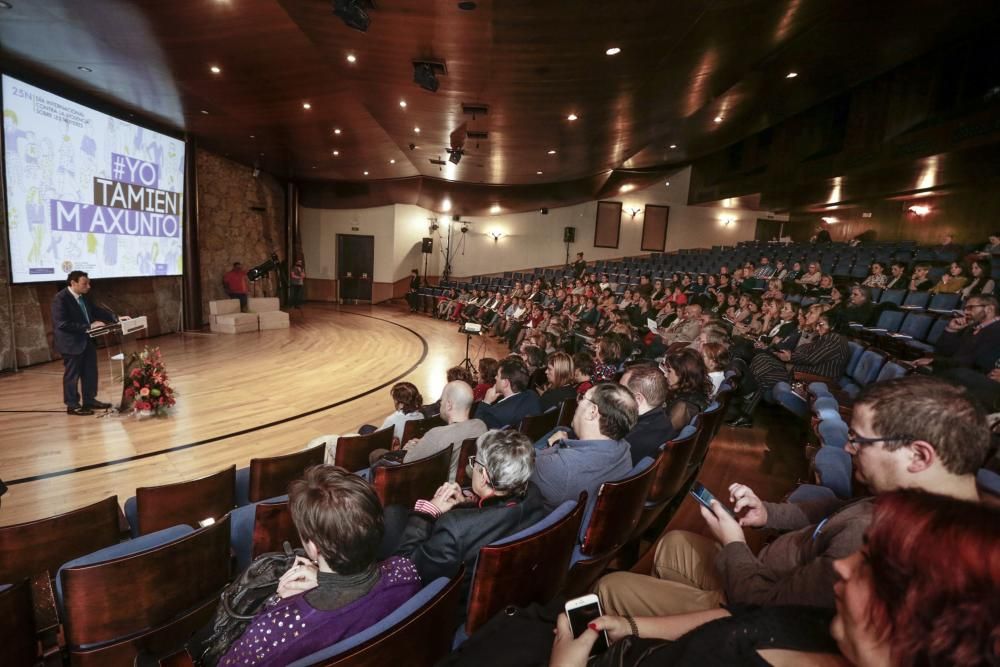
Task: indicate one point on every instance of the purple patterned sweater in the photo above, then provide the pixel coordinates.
(294, 629)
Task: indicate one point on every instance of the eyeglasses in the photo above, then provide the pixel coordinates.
(859, 441)
(473, 461)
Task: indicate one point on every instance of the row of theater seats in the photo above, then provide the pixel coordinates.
(114, 598)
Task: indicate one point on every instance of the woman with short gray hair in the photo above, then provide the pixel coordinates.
(442, 533)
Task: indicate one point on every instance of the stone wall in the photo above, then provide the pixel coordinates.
(230, 230)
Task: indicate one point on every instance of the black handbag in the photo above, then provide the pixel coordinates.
(242, 599)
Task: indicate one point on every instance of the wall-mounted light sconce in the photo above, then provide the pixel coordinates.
(496, 235)
(829, 219)
(919, 210)
(726, 222)
(634, 212)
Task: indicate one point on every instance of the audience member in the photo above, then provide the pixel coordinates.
(981, 281)
(652, 428)
(877, 277)
(920, 282)
(910, 433)
(508, 402)
(952, 281)
(583, 372)
(592, 452)
(487, 377)
(859, 308)
(339, 589)
(442, 533)
(688, 387)
(970, 341)
(717, 359)
(560, 385)
(897, 279)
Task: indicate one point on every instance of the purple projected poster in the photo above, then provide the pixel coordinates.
(88, 191)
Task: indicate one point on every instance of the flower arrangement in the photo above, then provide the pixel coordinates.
(146, 385)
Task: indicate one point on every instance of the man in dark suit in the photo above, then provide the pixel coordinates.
(413, 294)
(509, 400)
(73, 315)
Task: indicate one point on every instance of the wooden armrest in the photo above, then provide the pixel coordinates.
(179, 658)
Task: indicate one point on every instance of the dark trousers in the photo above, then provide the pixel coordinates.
(80, 368)
(296, 295)
(241, 297)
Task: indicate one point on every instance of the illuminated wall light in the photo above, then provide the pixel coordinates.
(830, 220)
(495, 209)
(446, 204)
(496, 234)
(919, 210)
(727, 222)
(634, 212)
(628, 187)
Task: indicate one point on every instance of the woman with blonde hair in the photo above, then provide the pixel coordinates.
(561, 384)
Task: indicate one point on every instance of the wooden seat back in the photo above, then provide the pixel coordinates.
(612, 523)
(270, 477)
(417, 428)
(17, 618)
(407, 483)
(668, 480)
(353, 451)
(566, 411)
(159, 507)
(38, 546)
(531, 569)
(422, 640)
(272, 527)
(468, 450)
(710, 421)
(536, 426)
(147, 602)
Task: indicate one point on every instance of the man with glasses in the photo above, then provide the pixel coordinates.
(910, 433)
(594, 452)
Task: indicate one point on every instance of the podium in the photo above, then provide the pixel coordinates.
(121, 343)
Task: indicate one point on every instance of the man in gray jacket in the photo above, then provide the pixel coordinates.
(595, 452)
(915, 432)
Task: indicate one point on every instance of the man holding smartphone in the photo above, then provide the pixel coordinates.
(914, 432)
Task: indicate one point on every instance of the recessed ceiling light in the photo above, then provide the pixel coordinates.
(215, 69)
(628, 187)
(336, 130)
(392, 161)
(313, 167)
(82, 68)
(572, 116)
(613, 51)
(205, 111)
(351, 58)
(253, 136)
(539, 173)
(366, 173)
(668, 184)
(791, 75)
(673, 146)
(262, 155)
(336, 153)
(552, 152)
(417, 130)
(402, 103)
(306, 106)
(495, 208)
(718, 119)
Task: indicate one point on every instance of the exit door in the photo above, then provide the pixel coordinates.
(355, 267)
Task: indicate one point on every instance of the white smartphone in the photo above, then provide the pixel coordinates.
(582, 611)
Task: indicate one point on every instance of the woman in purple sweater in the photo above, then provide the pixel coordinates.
(340, 589)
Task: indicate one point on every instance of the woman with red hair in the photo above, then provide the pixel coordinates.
(923, 591)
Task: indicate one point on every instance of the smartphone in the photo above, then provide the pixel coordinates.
(584, 610)
(705, 497)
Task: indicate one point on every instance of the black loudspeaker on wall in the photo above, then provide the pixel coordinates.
(427, 246)
(569, 234)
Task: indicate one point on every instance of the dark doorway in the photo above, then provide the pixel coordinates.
(355, 267)
(767, 230)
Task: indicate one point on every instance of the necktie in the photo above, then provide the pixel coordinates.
(86, 315)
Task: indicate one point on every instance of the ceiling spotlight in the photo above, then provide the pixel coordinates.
(336, 153)
(539, 172)
(829, 219)
(919, 210)
(354, 13)
(495, 209)
(82, 68)
(667, 184)
(628, 187)
(446, 204)
(552, 152)
(306, 106)
(613, 51)
(455, 155)
(351, 58)
(253, 136)
(215, 69)
(393, 161)
(336, 130)
(205, 111)
(572, 116)
(402, 103)
(791, 75)
(366, 173)
(718, 119)
(425, 74)
(673, 146)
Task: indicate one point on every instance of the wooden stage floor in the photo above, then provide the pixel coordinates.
(242, 396)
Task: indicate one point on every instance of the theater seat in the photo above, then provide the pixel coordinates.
(242, 522)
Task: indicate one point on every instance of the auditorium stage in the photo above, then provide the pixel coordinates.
(238, 396)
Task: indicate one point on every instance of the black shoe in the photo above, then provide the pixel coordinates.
(79, 412)
(97, 405)
(741, 422)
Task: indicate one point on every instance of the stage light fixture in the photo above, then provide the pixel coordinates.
(425, 74)
(455, 155)
(354, 13)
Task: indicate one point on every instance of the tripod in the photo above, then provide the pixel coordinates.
(467, 362)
